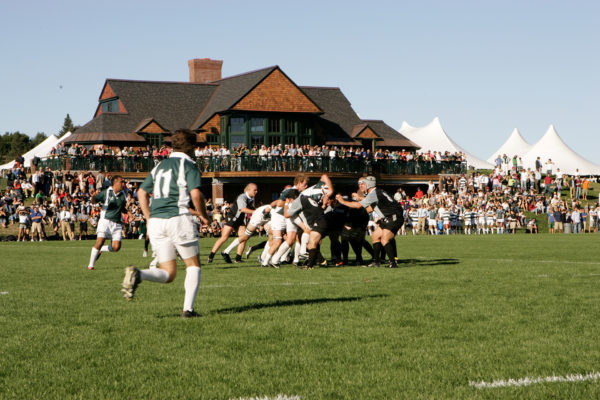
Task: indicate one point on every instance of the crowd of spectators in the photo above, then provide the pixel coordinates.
(498, 202)
(288, 157)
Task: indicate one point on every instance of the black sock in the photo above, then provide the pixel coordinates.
(238, 257)
(312, 257)
(393, 242)
(389, 249)
(377, 252)
(368, 248)
(211, 255)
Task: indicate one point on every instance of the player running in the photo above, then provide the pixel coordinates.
(244, 205)
(109, 226)
(171, 228)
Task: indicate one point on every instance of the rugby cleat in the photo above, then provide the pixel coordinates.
(130, 282)
(189, 314)
(226, 257)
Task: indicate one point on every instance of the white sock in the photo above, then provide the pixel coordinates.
(154, 275)
(192, 283)
(265, 251)
(303, 243)
(297, 252)
(94, 256)
(232, 246)
(265, 259)
(107, 248)
(280, 251)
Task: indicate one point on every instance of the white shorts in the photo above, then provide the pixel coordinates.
(290, 226)
(109, 230)
(258, 219)
(431, 222)
(170, 236)
(467, 223)
(277, 222)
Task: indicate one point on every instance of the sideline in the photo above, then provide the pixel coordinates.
(592, 376)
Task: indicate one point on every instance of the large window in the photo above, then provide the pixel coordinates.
(212, 139)
(110, 105)
(290, 126)
(257, 140)
(257, 125)
(274, 140)
(274, 125)
(237, 141)
(290, 140)
(154, 139)
(237, 124)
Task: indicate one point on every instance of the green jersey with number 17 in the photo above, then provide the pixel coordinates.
(171, 182)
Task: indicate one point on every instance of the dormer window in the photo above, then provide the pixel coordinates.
(111, 106)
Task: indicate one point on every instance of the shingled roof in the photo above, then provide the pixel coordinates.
(390, 136)
(172, 104)
(228, 92)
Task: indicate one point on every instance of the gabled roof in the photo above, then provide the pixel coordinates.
(390, 136)
(173, 105)
(229, 91)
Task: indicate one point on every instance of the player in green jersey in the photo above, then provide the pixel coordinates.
(172, 183)
(113, 204)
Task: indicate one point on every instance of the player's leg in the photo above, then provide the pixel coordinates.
(96, 250)
(376, 239)
(389, 244)
(227, 229)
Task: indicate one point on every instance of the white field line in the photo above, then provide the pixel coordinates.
(3, 293)
(283, 284)
(278, 397)
(592, 376)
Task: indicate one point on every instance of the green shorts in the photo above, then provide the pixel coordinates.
(551, 225)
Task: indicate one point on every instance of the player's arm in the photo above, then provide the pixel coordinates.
(352, 204)
(144, 200)
(200, 205)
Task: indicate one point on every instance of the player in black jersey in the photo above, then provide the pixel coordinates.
(388, 209)
(354, 231)
(243, 205)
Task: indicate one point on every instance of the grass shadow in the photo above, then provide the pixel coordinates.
(291, 303)
(414, 262)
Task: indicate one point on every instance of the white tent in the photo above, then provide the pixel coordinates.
(515, 145)
(433, 137)
(63, 137)
(551, 147)
(41, 150)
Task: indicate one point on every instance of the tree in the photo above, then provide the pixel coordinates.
(67, 126)
(39, 138)
(13, 144)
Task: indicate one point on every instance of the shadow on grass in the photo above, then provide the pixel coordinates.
(289, 303)
(413, 262)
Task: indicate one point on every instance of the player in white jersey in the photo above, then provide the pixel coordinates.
(260, 217)
(481, 221)
(467, 220)
(490, 220)
(432, 220)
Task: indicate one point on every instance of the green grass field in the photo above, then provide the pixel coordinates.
(462, 309)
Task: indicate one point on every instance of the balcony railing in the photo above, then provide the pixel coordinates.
(258, 163)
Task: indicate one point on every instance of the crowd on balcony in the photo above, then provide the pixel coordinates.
(288, 157)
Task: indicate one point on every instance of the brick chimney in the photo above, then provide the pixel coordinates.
(205, 70)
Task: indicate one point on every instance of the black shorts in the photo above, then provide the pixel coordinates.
(354, 234)
(392, 223)
(235, 222)
(320, 226)
(83, 226)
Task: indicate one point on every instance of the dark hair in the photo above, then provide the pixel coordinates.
(184, 140)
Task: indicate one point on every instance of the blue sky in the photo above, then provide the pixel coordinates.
(483, 67)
